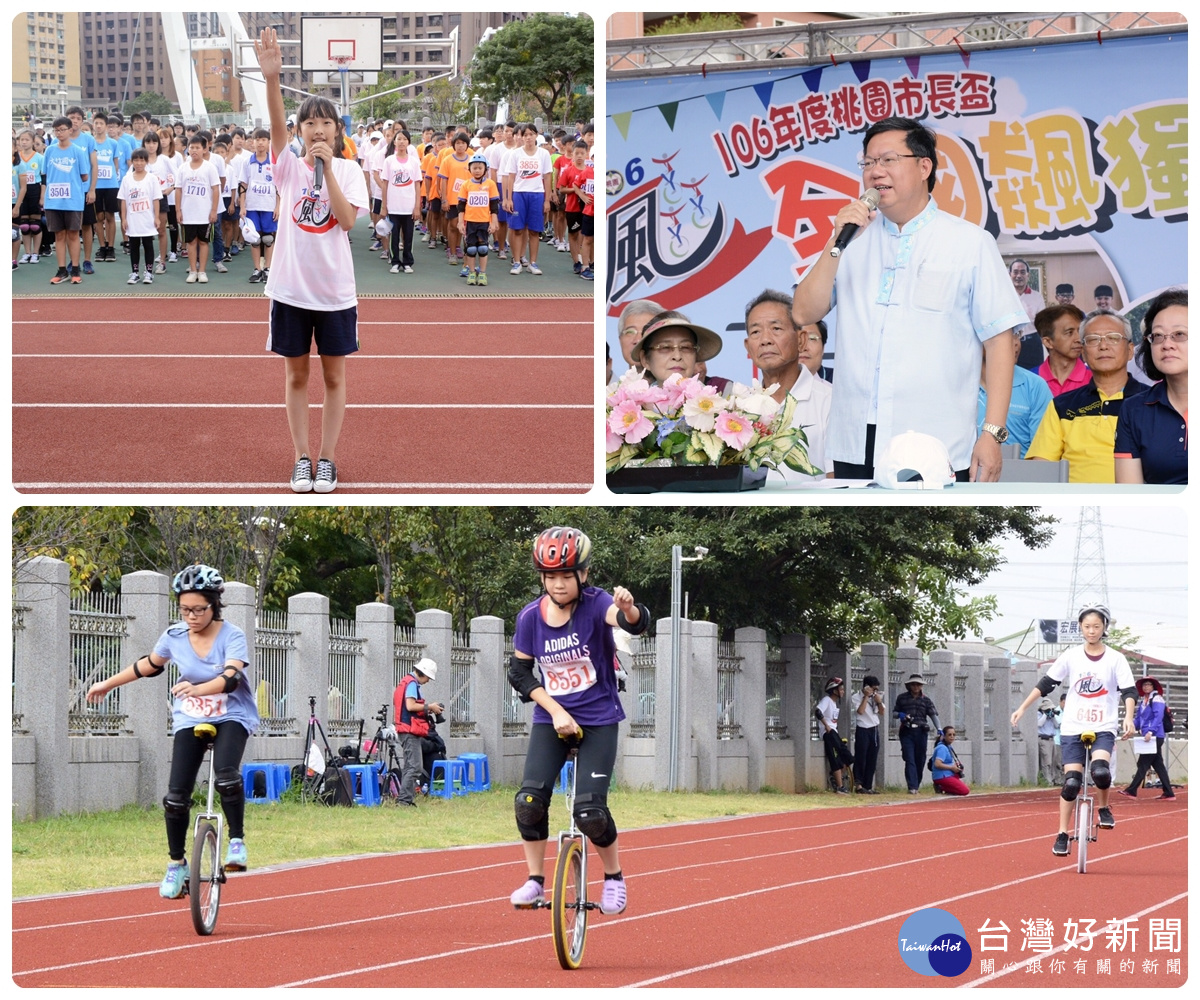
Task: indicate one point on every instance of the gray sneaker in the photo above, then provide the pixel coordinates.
(302, 475)
(221, 268)
(326, 481)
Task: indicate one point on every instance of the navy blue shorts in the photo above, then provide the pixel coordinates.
(1073, 750)
(292, 331)
(527, 211)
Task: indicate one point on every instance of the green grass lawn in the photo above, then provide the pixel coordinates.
(128, 847)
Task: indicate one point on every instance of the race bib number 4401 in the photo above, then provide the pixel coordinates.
(205, 706)
(568, 677)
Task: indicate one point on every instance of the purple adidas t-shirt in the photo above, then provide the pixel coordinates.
(576, 661)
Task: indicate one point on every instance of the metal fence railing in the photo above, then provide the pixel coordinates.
(776, 706)
(406, 653)
(97, 629)
(729, 666)
(642, 681)
(514, 709)
(462, 675)
(345, 665)
(274, 658)
(18, 625)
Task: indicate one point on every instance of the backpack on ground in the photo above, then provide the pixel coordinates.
(337, 788)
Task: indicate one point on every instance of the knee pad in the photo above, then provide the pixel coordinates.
(1101, 775)
(25, 227)
(1072, 783)
(229, 786)
(533, 816)
(267, 239)
(470, 251)
(34, 228)
(176, 806)
(594, 820)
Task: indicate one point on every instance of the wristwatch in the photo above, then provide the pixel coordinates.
(999, 433)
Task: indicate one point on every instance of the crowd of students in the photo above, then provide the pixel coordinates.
(204, 196)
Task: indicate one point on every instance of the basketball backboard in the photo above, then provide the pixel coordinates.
(329, 43)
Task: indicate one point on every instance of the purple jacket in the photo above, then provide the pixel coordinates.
(1148, 718)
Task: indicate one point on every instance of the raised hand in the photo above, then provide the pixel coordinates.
(270, 55)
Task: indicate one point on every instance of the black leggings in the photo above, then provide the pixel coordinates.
(141, 241)
(185, 765)
(594, 765)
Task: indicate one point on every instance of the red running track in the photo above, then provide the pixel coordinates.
(181, 396)
(813, 899)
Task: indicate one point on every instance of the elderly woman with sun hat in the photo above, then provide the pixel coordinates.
(672, 344)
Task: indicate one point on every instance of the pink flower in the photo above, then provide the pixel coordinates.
(612, 442)
(734, 429)
(693, 387)
(638, 389)
(671, 393)
(628, 421)
(701, 410)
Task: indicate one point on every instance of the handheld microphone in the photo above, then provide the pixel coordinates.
(319, 175)
(870, 198)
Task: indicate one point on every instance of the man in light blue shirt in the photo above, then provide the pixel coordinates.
(922, 297)
(1030, 397)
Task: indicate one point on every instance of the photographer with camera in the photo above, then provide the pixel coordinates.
(413, 717)
(1047, 726)
(868, 707)
(915, 711)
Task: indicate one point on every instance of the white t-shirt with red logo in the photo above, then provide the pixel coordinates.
(1093, 689)
(402, 176)
(527, 169)
(312, 267)
(140, 199)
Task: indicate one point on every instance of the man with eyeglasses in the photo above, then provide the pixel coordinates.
(1033, 303)
(921, 297)
(1081, 425)
(632, 322)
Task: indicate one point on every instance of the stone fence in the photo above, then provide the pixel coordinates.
(746, 709)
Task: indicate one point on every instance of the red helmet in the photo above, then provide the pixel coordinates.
(559, 549)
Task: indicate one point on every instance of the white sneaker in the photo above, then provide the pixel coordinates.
(172, 258)
(160, 267)
(147, 277)
(203, 279)
(33, 258)
(395, 269)
(407, 269)
(24, 259)
(192, 277)
(133, 279)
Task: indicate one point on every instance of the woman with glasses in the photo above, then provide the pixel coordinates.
(671, 344)
(1151, 444)
(212, 658)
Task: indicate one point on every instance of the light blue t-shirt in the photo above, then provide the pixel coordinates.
(66, 177)
(236, 706)
(1030, 397)
(110, 163)
(942, 753)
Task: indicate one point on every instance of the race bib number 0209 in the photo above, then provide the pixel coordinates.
(568, 677)
(205, 706)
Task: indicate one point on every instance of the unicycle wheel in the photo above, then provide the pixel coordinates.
(569, 905)
(1083, 831)
(204, 883)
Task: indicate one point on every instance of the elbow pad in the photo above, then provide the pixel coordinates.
(1046, 685)
(521, 678)
(232, 677)
(642, 623)
(1130, 692)
(151, 669)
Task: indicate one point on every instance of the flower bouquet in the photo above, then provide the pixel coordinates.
(689, 427)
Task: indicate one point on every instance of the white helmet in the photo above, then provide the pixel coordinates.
(914, 461)
(383, 228)
(249, 233)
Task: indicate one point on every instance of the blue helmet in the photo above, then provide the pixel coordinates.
(478, 158)
(197, 577)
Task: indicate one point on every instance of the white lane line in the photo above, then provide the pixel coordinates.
(311, 406)
(276, 485)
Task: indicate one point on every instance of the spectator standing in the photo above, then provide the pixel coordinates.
(1047, 728)
(1030, 354)
(915, 711)
(412, 714)
(868, 707)
(828, 710)
(1148, 721)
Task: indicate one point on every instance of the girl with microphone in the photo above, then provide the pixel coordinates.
(311, 282)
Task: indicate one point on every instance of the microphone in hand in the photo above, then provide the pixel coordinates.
(870, 198)
(319, 175)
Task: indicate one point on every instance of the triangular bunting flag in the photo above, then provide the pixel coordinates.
(914, 66)
(717, 102)
(764, 92)
(621, 120)
(966, 58)
(862, 69)
(668, 112)
(812, 79)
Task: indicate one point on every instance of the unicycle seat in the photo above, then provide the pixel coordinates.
(1087, 739)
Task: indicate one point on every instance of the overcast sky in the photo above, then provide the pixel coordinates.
(1145, 550)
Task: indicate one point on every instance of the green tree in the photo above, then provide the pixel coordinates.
(682, 24)
(150, 102)
(387, 105)
(218, 107)
(544, 56)
(91, 540)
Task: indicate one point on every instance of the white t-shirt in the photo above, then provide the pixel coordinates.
(829, 711)
(164, 169)
(140, 199)
(868, 718)
(260, 185)
(177, 160)
(1093, 689)
(194, 187)
(814, 397)
(402, 178)
(496, 154)
(371, 158)
(312, 267)
(527, 169)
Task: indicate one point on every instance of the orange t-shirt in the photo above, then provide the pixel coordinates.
(479, 195)
(457, 174)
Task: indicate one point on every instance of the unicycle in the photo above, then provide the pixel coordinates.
(569, 905)
(1085, 810)
(206, 874)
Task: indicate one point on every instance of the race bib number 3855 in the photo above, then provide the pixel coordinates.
(568, 677)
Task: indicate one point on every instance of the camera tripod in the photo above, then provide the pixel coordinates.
(311, 781)
(383, 754)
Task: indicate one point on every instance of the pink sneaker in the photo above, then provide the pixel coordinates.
(528, 896)
(612, 897)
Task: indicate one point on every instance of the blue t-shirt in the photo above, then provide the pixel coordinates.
(31, 168)
(1027, 405)
(237, 705)
(1149, 428)
(66, 173)
(576, 661)
(110, 163)
(942, 753)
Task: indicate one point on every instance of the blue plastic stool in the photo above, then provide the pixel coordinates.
(478, 777)
(453, 779)
(268, 771)
(564, 777)
(366, 783)
(283, 776)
